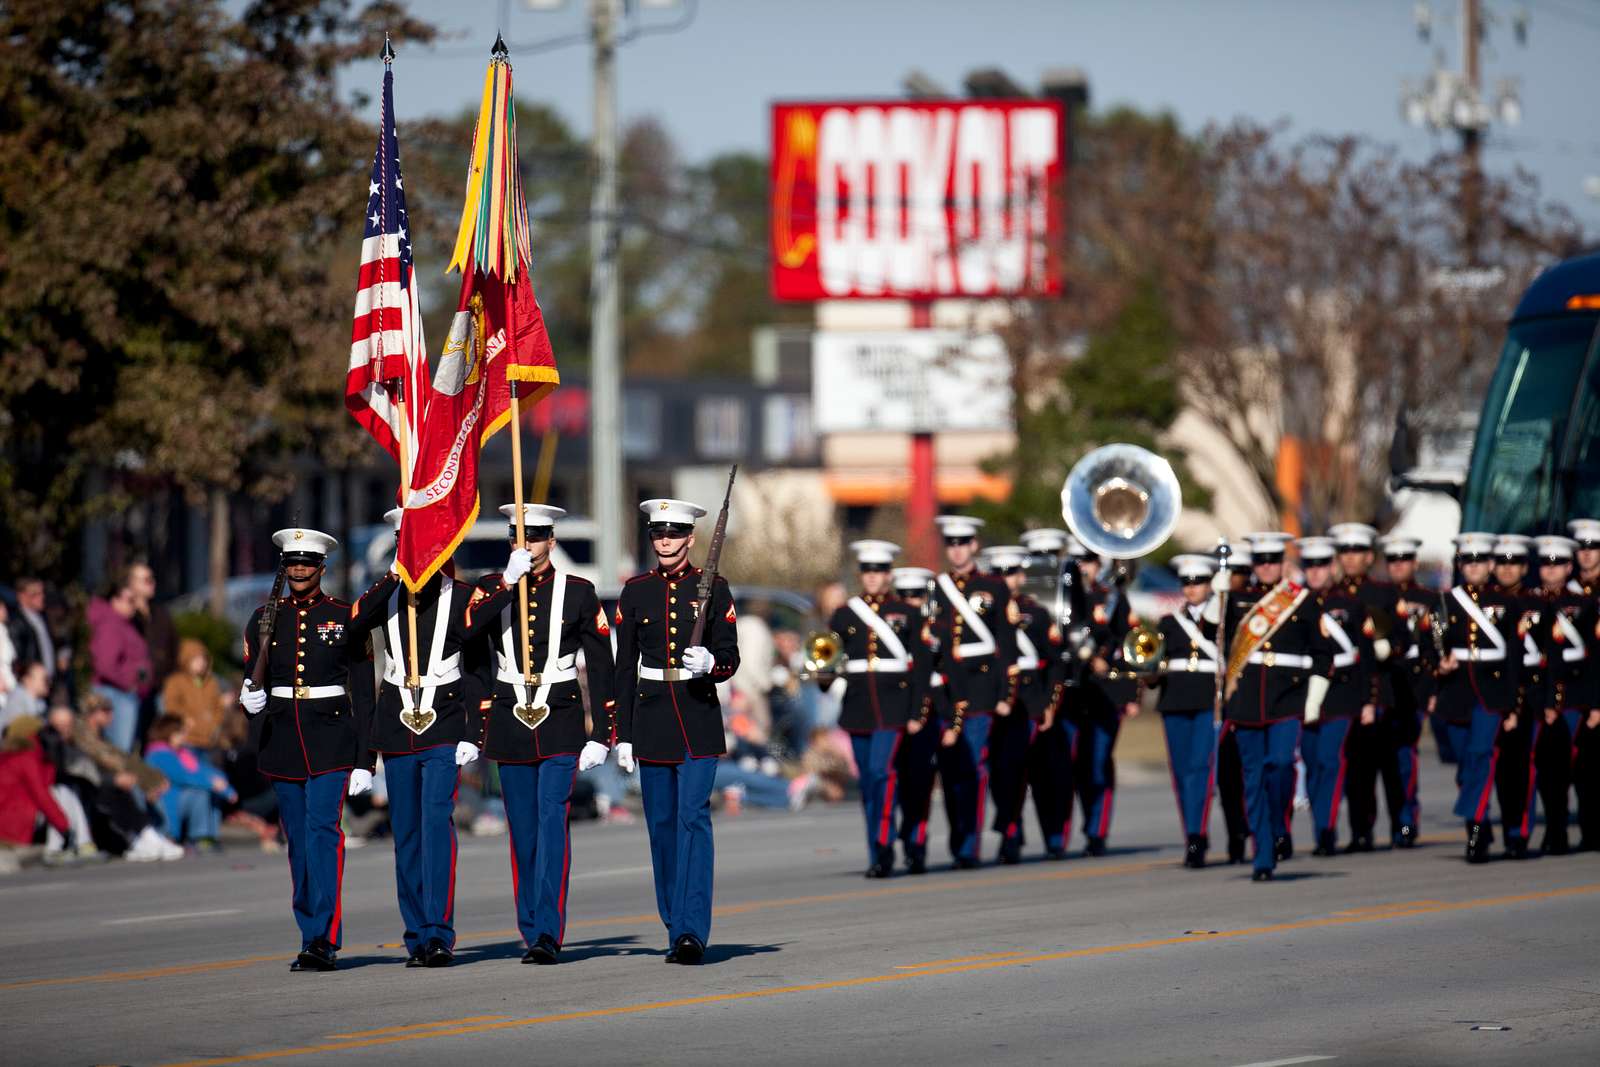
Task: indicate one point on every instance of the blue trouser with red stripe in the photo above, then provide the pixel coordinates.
(1516, 777)
(1477, 748)
(309, 813)
(966, 797)
(1400, 767)
(677, 813)
(876, 755)
(1096, 774)
(422, 802)
(1265, 752)
(918, 753)
(1322, 746)
(538, 800)
(1191, 756)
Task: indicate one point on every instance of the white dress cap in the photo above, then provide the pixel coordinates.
(1315, 549)
(305, 542)
(676, 511)
(392, 517)
(534, 515)
(1267, 543)
(1554, 546)
(1396, 546)
(879, 552)
(958, 525)
(1239, 555)
(1512, 546)
(1586, 532)
(911, 579)
(1006, 557)
(1352, 535)
(1045, 540)
(1474, 544)
(1194, 565)
(1077, 549)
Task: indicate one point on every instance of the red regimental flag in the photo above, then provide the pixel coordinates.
(497, 338)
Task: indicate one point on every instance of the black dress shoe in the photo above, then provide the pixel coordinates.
(916, 865)
(544, 951)
(1055, 854)
(1555, 843)
(1194, 853)
(1361, 843)
(1327, 844)
(1261, 876)
(437, 955)
(1011, 853)
(1095, 847)
(1479, 838)
(417, 959)
(878, 870)
(1405, 837)
(317, 956)
(966, 863)
(1235, 850)
(688, 950)
(1517, 848)
(1283, 849)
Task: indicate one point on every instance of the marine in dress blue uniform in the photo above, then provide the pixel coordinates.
(1514, 770)
(425, 737)
(1051, 754)
(1278, 676)
(982, 658)
(1568, 634)
(922, 754)
(1583, 722)
(1325, 743)
(1230, 772)
(884, 684)
(669, 719)
(1411, 677)
(539, 758)
(1110, 693)
(312, 738)
(1478, 676)
(1186, 688)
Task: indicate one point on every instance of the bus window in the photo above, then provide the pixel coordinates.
(1582, 456)
(1510, 485)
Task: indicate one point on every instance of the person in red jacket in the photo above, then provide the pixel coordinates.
(25, 780)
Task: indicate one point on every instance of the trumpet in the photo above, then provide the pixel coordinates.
(1143, 650)
(824, 654)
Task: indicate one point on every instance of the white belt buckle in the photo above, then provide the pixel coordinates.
(1268, 659)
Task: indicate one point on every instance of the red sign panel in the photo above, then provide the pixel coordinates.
(916, 199)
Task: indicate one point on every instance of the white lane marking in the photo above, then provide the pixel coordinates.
(170, 917)
(1286, 1063)
(613, 872)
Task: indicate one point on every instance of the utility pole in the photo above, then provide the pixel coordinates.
(605, 298)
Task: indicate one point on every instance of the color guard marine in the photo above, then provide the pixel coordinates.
(884, 667)
(533, 718)
(427, 726)
(1186, 686)
(314, 711)
(1477, 682)
(669, 719)
(983, 656)
(1239, 577)
(1276, 679)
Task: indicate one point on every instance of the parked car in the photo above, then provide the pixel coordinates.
(484, 549)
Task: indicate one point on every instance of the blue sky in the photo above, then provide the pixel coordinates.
(1334, 66)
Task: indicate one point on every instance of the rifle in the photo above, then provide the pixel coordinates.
(708, 576)
(269, 619)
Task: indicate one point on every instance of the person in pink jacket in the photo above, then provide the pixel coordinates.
(121, 663)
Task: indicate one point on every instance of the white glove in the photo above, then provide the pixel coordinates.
(253, 699)
(519, 563)
(625, 757)
(466, 752)
(394, 566)
(1316, 693)
(699, 660)
(1213, 609)
(593, 754)
(360, 782)
(1222, 581)
(1380, 648)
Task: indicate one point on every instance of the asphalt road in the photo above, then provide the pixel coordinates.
(1389, 958)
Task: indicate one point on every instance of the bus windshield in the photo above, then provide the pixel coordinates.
(1512, 486)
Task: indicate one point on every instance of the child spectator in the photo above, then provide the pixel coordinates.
(192, 806)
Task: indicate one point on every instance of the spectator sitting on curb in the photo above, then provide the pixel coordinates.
(26, 777)
(78, 782)
(194, 694)
(138, 784)
(27, 697)
(192, 805)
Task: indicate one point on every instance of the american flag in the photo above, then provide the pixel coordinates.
(386, 342)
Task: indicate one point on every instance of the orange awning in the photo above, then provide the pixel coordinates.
(866, 489)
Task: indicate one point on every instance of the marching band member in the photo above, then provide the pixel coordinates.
(983, 656)
(1325, 740)
(313, 741)
(1110, 693)
(1411, 678)
(884, 688)
(1277, 678)
(1477, 692)
(425, 733)
(1568, 633)
(1583, 722)
(1240, 576)
(1513, 776)
(922, 753)
(1054, 746)
(1187, 704)
(669, 719)
(533, 725)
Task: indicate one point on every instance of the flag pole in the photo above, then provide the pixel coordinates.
(522, 542)
(413, 675)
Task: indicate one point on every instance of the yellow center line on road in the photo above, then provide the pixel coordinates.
(419, 1026)
(957, 959)
(1400, 909)
(139, 976)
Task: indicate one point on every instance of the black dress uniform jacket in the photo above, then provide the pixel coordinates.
(981, 681)
(1530, 608)
(1033, 687)
(1271, 691)
(945, 688)
(1569, 666)
(584, 628)
(1382, 600)
(887, 700)
(313, 645)
(1413, 668)
(455, 704)
(1110, 620)
(1189, 680)
(1491, 682)
(1351, 685)
(655, 616)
